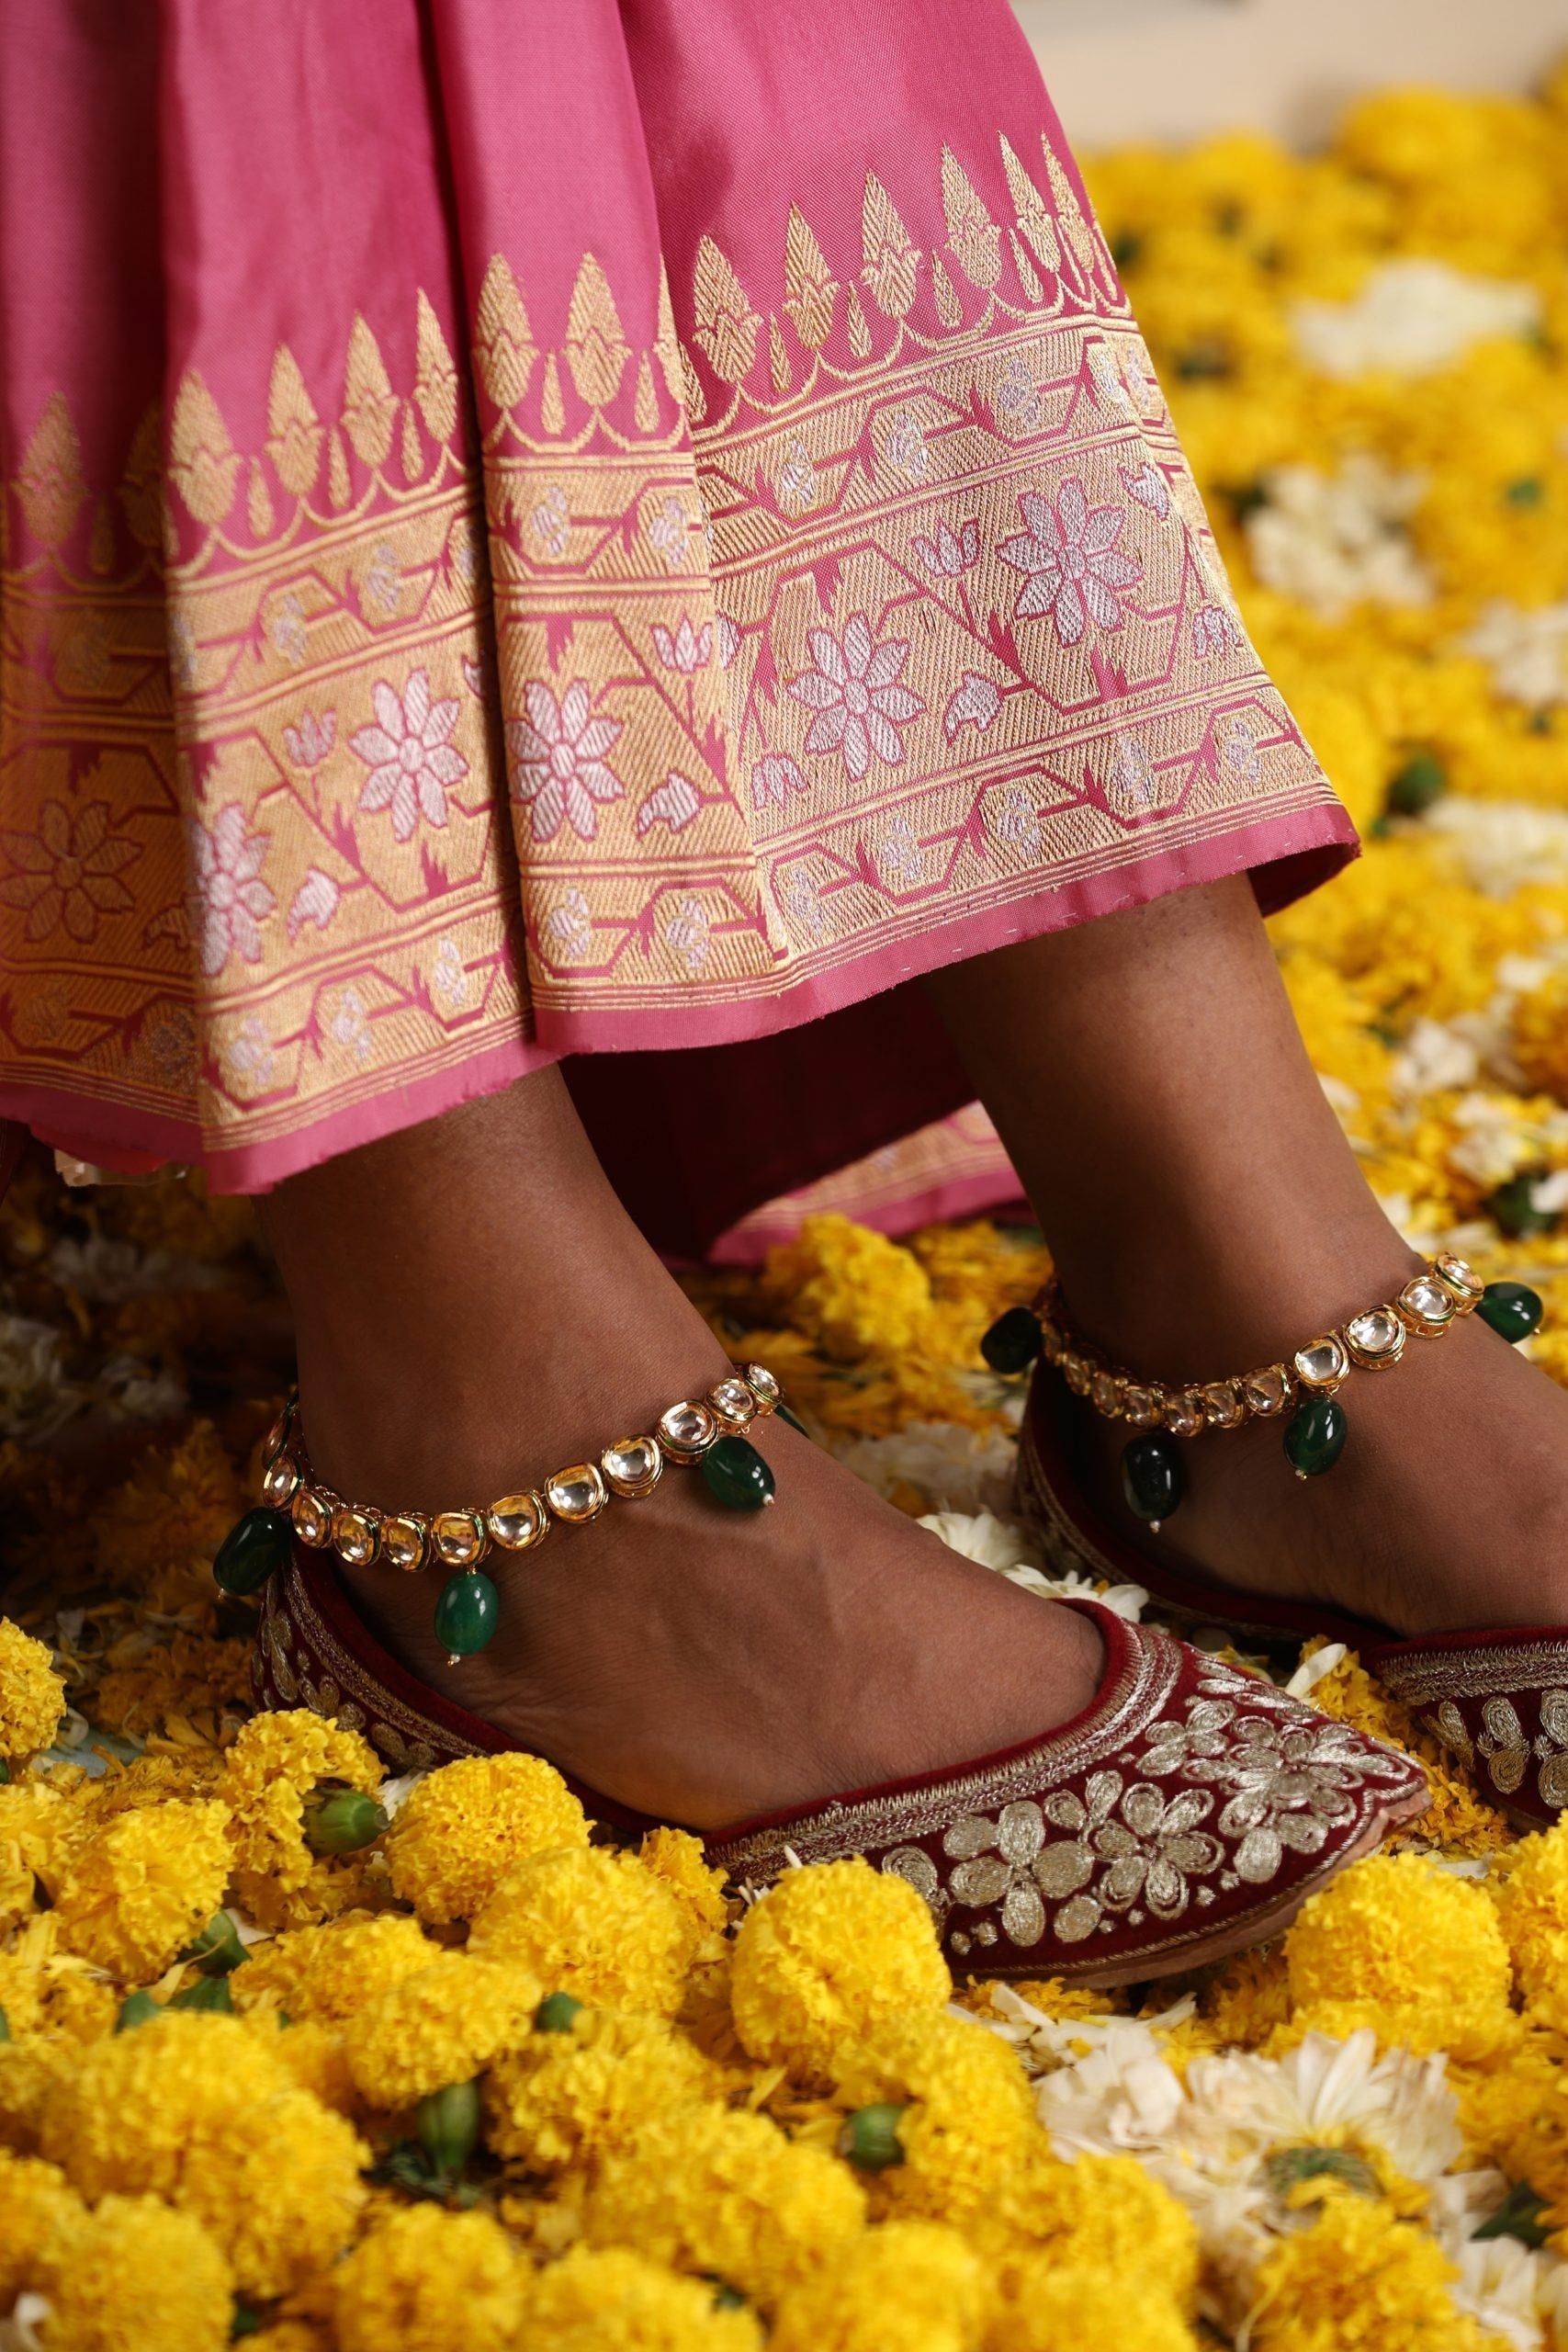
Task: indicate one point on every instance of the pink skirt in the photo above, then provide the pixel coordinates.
(542, 528)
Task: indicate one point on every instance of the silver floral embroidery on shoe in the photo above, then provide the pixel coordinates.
(998, 1862)
(1509, 1754)
(1125, 1845)
(1291, 1782)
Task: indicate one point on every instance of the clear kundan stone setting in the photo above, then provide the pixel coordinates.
(313, 1517)
(687, 1432)
(1322, 1363)
(1184, 1411)
(278, 1484)
(458, 1538)
(1106, 1391)
(1053, 1345)
(1267, 1392)
(1375, 1337)
(1079, 1373)
(1460, 1277)
(277, 1436)
(1425, 1305)
(633, 1465)
(733, 1404)
(1143, 1406)
(762, 1385)
(578, 1493)
(356, 1534)
(517, 1521)
(405, 1541)
(1222, 1405)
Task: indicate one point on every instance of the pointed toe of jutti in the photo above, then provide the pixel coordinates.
(1496, 1697)
(1188, 1812)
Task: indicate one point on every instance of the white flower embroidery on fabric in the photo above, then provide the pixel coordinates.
(1214, 631)
(570, 928)
(462, 551)
(349, 1028)
(687, 933)
(1017, 398)
(805, 903)
(1131, 785)
(1108, 380)
(853, 690)
(1015, 819)
(410, 754)
(1076, 569)
(383, 579)
(775, 778)
(246, 1053)
(309, 744)
(728, 639)
(1241, 753)
(476, 679)
(899, 853)
(974, 701)
(951, 552)
(551, 520)
(227, 898)
(673, 803)
(559, 769)
(688, 650)
(1150, 487)
(448, 979)
(797, 483)
(316, 901)
(670, 532)
(904, 446)
(287, 630)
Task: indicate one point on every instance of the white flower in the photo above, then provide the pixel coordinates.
(382, 579)
(982, 1537)
(1241, 2106)
(956, 1469)
(1014, 817)
(1108, 380)
(1433, 1056)
(1410, 318)
(673, 803)
(670, 533)
(551, 520)
(1150, 487)
(227, 899)
(976, 700)
(309, 744)
(688, 650)
(728, 639)
(448, 978)
(805, 903)
(797, 477)
(558, 765)
(1214, 631)
(899, 853)
(569, 928)
(245, 1051)
(686, 932)
(1240, 751)
(349, 1028)
(853, 690)
(287, 629)
(951, 553)
(1332, 541)
(1017, 398)
(410, 754)
(1120, 2097)
(1131, 785)
(1076, 571)
(316, 901)
(1526, 651)
(904, 446)
(775, 778)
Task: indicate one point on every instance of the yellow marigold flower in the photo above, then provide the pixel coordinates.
(1399, 1945)
(908, 2287)
(40, 1829)
(1100, 2214)
(155, 1535)
(616, 2300)
(35, 2199)
(707, 2190)
(1247, 1996)
(144, 1885)
(442, 2026)
(313, 2053)
(1516, 2117)
(828, 1951)
(267, 1774)
(287, 2336)
(968, 2117)
(855, 1292)
(32, 1696)
(135, 2272)
(676, 1857)
(1359, 2280)
(560, 2100)
(1457, 1819)
(1059, 2310)
(198, 2109)
(425, 2281)
(27, 2071)
(1532, 1911)
(331, 1973)
(594, 1922)
(463, 1827)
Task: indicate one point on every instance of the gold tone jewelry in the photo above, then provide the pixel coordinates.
(695, 1430)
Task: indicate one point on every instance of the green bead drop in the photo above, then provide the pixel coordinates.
(737, 1475)
(1153, 1480)
(254, 1548)
(1513, 1309)
(1014, 1341)
(1314, 1436)
(466, 1613)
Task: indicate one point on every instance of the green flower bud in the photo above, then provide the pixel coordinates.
(217, 1949)
(555, 2013)
(870, 2138)
(447, 2122)
(4, 2027)
(136, 2009)
(1521, 2215)
(207, 1993)
(1287, 2167)
(243, 2321)
(339, 1820)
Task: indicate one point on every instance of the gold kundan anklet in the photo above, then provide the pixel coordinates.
(296, 1506)
(1153, 1475)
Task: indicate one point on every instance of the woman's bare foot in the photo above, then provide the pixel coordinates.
(1207, 1216)
(474, 1311)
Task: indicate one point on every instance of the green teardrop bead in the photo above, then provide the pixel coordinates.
(1511, 1308)
(1314, 1435)
(254, 1548)
(556, 2012)
(736, 1474)
(869, 2138)
(1014, 1341)
(1153, 1480)
(466, 1613)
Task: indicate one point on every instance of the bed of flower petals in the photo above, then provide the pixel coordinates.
(295, 2051)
